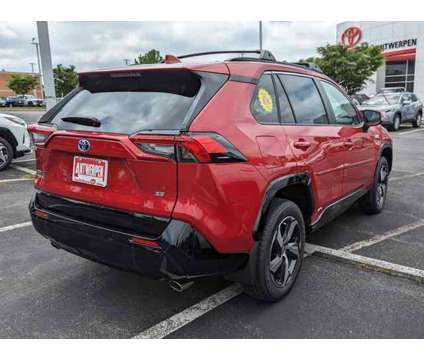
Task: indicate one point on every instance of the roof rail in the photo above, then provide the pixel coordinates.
(264, 54)
(308, 65)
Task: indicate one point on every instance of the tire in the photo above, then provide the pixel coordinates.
(417, 122)
(396, 123)
(270, 285)
(6, 154)
(373, 202)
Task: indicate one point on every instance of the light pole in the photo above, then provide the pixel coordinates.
(46, 63)
(33, 42)
(34, 92)
(260, 36)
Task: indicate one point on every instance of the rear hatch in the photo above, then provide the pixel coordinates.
(112, 141)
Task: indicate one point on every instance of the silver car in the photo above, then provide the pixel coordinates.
(396, 108)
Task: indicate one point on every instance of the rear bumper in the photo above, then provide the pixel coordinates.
(179, 252)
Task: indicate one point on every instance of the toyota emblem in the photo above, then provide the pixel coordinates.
(351, 36)
(83, 145)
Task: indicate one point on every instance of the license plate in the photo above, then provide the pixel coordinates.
(90, 171)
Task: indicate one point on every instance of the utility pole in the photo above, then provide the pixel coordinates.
(260, 36)
(40, 77)
(46, 63)
(126, 61)
(38, 54)
(34, 92)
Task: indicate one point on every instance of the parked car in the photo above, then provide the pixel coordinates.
(205, 169)
(29, 100)
(391, 90)
(11, 101)
(360, 98)
(2, 102)
(14, 139)
(396, 108)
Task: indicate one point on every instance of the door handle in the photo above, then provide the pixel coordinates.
(302, 144)
(349, 144)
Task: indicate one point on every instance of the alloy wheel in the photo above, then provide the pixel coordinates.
(4, 155)
(382, 185)
(285, 250)
(396, 123)
(418, 120)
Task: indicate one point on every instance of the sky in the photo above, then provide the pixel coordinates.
(92, 45)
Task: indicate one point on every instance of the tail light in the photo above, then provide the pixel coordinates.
(39, 134)
(191, 147)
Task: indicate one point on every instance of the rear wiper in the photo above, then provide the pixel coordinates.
(86, 121)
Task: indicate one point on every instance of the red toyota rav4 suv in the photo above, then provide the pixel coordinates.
(184, 170)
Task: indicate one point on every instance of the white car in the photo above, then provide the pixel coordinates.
(29, 100)
(14, 139)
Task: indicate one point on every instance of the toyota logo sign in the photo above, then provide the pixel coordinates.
(351, 36)
(83, 145)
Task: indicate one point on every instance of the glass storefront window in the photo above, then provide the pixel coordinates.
(400, 73)
(395, 68)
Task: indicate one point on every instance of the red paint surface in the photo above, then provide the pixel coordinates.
(221, 200)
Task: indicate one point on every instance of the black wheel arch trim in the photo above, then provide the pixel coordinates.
(383, 148)
(273, 188)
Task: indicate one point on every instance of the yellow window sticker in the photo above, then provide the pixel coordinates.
(265, 99)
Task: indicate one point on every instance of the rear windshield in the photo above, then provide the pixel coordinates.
(127, 103)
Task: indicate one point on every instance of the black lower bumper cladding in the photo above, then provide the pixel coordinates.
(180, 251)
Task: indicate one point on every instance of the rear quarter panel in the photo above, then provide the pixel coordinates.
(223, 200)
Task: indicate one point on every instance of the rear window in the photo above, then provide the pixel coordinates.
(132, 101)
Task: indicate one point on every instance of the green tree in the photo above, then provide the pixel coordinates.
(350, 67)
(151, 57)
(22, 84)
(65, 79)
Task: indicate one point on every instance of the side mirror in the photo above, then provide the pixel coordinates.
(371, 118)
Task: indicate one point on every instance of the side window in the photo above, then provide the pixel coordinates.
(405, 97)
(344, 112)
(414, 97)
(264, 106)
(305, 99)
(286, 113)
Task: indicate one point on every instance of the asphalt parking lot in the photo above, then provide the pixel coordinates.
(362, 278)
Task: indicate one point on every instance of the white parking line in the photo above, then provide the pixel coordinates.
(373, 264)
(397, 178)
(22, 161)
(403, 171)
(15, 180)
(190, 314)
(24, 169)
(381, 237)
(16, 226)
(409, 132)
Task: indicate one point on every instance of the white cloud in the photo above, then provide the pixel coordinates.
(97, 44)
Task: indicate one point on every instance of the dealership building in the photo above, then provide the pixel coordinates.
(403, 48)
(5, 77)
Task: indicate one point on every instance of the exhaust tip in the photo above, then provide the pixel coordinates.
(180, 286)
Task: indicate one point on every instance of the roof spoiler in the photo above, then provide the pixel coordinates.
(263, 55)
